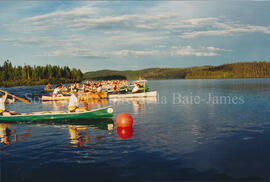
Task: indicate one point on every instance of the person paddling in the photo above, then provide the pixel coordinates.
(3, 105)
(136, 88)
(48, 86)
(74, 103)
(57, 91)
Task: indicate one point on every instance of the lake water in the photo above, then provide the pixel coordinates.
(194, 130)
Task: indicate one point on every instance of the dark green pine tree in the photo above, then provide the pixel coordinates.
(35, 75)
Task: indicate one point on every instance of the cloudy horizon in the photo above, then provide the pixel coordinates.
(133, 35)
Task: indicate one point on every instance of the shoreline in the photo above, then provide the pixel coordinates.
(26, 85)
(226, 71)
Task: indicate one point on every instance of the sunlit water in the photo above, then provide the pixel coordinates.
(172, 138)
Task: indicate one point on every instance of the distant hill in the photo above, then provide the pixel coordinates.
(235, 70)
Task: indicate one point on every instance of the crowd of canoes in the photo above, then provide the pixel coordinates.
(75, 93)
(73, 111)
(99, 90)
(109, 86)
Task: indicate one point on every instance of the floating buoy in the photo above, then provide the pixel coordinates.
(124, 120)
(125, 133)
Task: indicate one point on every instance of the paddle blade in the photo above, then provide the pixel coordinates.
(23, 100)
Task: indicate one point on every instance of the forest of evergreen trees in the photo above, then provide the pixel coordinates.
(234, 70)
(40, 75)
(37, 75)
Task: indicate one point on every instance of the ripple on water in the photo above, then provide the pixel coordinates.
(169, 140)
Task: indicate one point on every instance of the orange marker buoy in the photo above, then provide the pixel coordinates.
(124, 120)
(125, 133)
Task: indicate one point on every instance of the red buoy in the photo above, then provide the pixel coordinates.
(125, 133)
(124, 120)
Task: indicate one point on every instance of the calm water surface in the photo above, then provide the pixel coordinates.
(172, 139)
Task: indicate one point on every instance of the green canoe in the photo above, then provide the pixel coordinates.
(105, 112)
(91, 123)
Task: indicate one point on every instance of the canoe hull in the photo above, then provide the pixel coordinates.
(49, 98)
(135, 95)
(51, 90)
(106, 112)
(84, 97)
(88, 95)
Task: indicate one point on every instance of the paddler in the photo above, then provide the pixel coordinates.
(74, 103)
(57, 91)
(136, 88)
(99, 89)
(115, 88)
(48, 86)
(3, 105)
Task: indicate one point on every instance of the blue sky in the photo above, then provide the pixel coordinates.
(120, 35)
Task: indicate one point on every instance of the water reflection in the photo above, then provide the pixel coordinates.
(138, 104)
(95, 103)
(9, 135)
(78, 130)
(56, 105)
(59, 105)
(172, 141)
(5, 134)
(62, 105)
(125, 133)
(79, 134)
(143, 100)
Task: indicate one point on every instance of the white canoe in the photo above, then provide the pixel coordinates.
(141, 100)
(143, 94)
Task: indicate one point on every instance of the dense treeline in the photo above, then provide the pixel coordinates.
(235, 70)
(149, 74)
(36, 75)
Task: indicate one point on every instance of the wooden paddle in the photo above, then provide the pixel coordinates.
(20, 99)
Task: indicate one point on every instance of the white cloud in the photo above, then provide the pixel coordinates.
(154, 20)
(174, 52)
(90, 18)
(88, 53)
(211, 48)
(28, 41)
(76, 12)
(171, 52)
(88, 42)
(75, 52)
(87, 31)
(222, 29)
(135, 39)
(198, 22)
(87, 18)
(189, 51)
(124, 53)
(64, 42)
